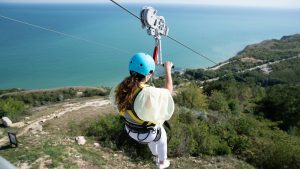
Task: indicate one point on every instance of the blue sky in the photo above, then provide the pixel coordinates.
(252, 3)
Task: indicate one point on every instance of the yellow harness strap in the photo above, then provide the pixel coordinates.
(132, 114)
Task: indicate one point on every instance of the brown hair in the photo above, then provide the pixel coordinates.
(124, 92)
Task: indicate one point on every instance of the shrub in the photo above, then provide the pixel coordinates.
(4, 91)
(235, 106)
(43, 97)
(274, 150)
(38, 98)
(263, 144)
(95, 92)
(106, 129)
(218, 102)
(13, 109)
(192, 97)
(109, 130)
(282, 103)
(192, 136)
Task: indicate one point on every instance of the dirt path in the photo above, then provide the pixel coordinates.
(264, 67)
(67, 108)
(216, 67)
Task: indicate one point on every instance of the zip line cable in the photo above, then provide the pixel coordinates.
(125, 9)
(191, 49)
(180, 43)
(97, 43)
(65, 34)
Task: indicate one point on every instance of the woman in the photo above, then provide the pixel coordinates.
(145, 108)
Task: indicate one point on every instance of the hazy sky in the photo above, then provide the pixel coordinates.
(259, 3)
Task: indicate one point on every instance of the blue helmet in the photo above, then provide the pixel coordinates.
(142, 63)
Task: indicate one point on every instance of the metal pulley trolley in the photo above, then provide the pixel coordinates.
(156, 27)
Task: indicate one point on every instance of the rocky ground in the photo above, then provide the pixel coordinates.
(47, 140)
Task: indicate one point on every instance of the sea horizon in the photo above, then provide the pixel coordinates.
(36, 59)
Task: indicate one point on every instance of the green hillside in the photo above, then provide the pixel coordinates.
(268, 51)
(244, 113)
(251, 110)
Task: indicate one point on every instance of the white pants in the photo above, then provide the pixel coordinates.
(158, 148)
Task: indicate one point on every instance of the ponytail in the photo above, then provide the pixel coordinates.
(124, 93)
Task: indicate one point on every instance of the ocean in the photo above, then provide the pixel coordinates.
(33, 58)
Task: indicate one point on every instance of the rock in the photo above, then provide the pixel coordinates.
(27, 118)
(43, 133)
(79, 94)
(36, 127)
(80, 140)
(96, 145)
(6, 122)
(25, 166)
(58, 115)
(18, 125)
(48, 162)
(43, 121)
(61, 97)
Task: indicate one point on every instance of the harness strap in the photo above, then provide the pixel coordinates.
(147, 131)
(135, 117)
(158, 135)
(132, 113)
(137, 125)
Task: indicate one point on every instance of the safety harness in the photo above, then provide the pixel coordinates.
(137, 125)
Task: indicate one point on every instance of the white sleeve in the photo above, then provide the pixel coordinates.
(154, 104)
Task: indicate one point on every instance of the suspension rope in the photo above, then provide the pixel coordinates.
(180, 43)
(65, 34)
(125, 9)
(191, 49)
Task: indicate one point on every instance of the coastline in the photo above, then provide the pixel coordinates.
(182, 70)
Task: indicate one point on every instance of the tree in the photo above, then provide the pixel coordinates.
(282, 103)
(191, 96)
(218, 102)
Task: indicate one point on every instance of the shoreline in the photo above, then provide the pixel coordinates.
(26, 91)
(177, 69)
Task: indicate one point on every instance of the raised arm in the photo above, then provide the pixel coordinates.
(168, 80)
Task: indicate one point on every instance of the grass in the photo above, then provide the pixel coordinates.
(52, 149)
(208, 162)
(30, 150)
(59, 155)
(91, 155)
